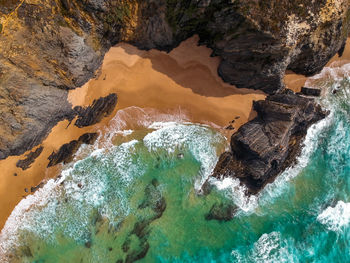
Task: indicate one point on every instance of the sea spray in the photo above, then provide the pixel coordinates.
(336, 218)
(138, 194)
(103, 183)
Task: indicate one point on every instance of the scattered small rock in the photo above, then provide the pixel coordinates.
(237, 117)
(180, 156)
(230, 127)
(15, 174)
(88, 244)
(26, 190)
(33, 189)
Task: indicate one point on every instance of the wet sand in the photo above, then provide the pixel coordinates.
(183, 81)
(186, 78)
(294, 81)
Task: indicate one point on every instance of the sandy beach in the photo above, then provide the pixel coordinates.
(184, 80)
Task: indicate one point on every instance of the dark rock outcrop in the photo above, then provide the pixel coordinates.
(265, 146)
(30, 158)
(66, 153)
(259, 40)
(221, 212)
(155, 204)
(311, 91)
(96, 111)
(51, 46)
(33, 189)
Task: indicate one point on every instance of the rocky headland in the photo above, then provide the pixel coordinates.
(266, 145)
(52, 46)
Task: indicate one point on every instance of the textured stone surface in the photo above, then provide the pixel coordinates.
(66, 153)
(50, 46)
(30, 158)
(265, 146)
(96, 111)
(311, 91)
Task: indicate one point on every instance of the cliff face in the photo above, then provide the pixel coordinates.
(50, 46)
(268, 144)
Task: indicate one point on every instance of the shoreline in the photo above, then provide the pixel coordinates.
(182, 82)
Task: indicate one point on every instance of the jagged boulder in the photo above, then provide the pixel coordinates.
(50, 46)
(265, 146)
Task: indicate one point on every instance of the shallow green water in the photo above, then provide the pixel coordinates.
(140, 199)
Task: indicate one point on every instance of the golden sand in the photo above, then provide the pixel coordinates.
(185, 79)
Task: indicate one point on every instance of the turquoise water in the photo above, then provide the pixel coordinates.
(137, 196)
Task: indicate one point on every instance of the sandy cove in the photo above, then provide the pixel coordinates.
(183, 80)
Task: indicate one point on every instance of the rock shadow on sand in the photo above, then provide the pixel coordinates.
(190, 66)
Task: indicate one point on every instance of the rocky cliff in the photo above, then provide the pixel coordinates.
(50, 46)
(268, 144)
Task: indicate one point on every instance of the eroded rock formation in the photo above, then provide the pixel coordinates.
(50, 46)
(66, 153)
(96, 111)
(30, 158)
(268, 144)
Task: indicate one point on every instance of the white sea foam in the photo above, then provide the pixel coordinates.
(310, 143)
(9, 234)
(198, 139)
(83, 186)
(88, 184)
(133, 118)
(332, 74)
(124, 132)
(335, 218)
(237, 193)
(269, 248)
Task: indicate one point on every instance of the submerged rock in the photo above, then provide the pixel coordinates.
(154, 202)
(266, 145)
(221, 212)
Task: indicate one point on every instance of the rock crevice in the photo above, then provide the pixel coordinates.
(49, 47)
(265, 146)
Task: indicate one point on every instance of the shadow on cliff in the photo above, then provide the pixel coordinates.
(194, 70)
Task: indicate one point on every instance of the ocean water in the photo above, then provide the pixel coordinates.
(135, 195)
